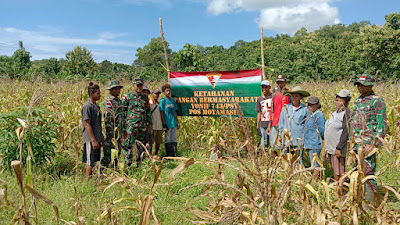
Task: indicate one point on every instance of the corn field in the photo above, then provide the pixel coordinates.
(245, 186)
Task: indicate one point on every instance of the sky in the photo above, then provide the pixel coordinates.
(114, 29)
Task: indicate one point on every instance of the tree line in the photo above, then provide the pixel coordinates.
(334, 52)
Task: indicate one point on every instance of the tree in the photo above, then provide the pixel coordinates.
(79, 62)
(393, 20)
(149, 60)
(105, 67)
(189, 59)
(21, 61)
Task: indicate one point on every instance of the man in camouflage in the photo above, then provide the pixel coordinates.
(137, 120)
(113, 119)
(367, 124)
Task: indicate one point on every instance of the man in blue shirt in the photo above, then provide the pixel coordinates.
(169, 118)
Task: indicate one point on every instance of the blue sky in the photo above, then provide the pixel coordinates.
(113, 29)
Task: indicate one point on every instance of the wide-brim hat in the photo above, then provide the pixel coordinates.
(114, 83)
(297, 90)
(365, 80)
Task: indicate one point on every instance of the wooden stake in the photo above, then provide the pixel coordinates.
(165, 47)
(262, 54)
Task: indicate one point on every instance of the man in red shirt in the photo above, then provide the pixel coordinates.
(278, 101)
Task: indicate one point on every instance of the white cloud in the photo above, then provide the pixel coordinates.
(283, 16)
(51, 42)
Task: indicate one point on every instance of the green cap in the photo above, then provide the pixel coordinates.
(297, 90)
(138, 81)
(365, 80)
(114, 83)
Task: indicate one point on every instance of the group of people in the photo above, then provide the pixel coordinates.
(135, 121)
(285, 123)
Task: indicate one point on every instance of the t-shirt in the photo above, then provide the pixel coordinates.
(168, 106)
(264, 105)
(155, 116)
(278, 101)
(92, 112)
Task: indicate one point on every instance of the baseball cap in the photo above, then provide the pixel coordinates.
(365, 80)
(313, 100)
(156, 90)
(145, 87)
(265, 83)
(280, 77)
(344, 93)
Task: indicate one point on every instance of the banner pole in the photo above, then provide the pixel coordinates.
(165, 47)
(262, 53)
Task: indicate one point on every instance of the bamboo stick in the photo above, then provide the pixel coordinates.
(165, 47)
(262, 54)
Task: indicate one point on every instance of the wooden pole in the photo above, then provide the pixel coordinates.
(262, 53)
(165, 47)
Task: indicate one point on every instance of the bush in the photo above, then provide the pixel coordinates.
(41, 134)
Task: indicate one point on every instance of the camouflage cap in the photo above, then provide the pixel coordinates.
(114, 83)
(138, 81)
(365, 80)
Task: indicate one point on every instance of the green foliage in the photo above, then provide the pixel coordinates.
(393, 20)
(79, 62)
(21, 59)
(189, 59)
(149, 59)
(41, 134)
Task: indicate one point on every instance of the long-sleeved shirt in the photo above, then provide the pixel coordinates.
(314, 130)
(368, 120)
(293, 121)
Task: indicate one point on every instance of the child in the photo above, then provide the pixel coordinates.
(92, 131)
(314, 131)
(336, 133)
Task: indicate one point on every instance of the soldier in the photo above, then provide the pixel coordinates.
(137, 120)
(112, 119)
(367, 124)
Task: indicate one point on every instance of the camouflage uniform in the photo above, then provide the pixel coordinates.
(112, 119)
(368, 122)
(137, 117)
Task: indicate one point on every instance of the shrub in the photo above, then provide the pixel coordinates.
(41, 134)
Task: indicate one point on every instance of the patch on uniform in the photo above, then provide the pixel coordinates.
(363, 78)
(280, 76)
(108, 104)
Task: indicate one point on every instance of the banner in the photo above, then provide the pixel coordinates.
(216, 93)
